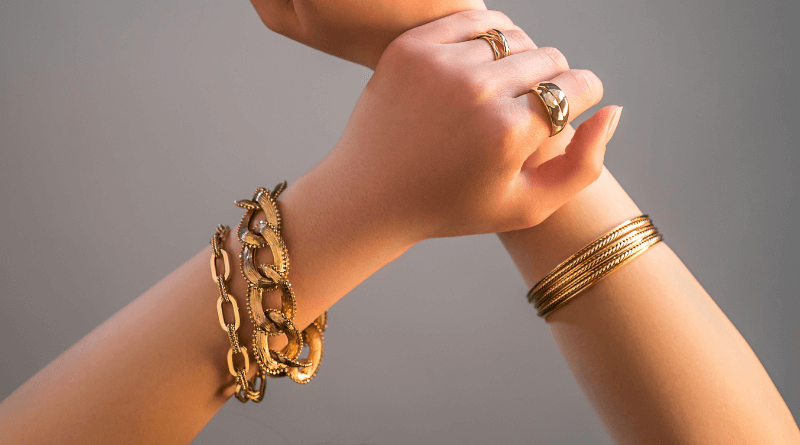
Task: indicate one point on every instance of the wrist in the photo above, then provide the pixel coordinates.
(336, 236)
(597, 209)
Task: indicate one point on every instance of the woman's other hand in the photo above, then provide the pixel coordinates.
(354, 30)
(442, 141)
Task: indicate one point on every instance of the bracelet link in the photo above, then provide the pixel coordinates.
(232, 369)
(226, 261)
(236, 320)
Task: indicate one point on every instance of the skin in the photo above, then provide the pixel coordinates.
(353, 29)
(655, 356)
(155, 372)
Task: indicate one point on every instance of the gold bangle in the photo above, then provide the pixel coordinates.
(244, 390)
(623, 258)
(599, 258)
(592, 263)
(588, 250)
(266, 233)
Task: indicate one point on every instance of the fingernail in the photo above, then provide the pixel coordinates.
(612, 126)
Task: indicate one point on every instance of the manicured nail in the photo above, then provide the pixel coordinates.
(612, 126)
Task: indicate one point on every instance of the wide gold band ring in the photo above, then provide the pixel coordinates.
(497, 41)
(556, 104)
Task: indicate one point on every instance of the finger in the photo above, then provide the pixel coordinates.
(550, 148)
(461, 26)
(519, 72)
(582, 88)
(480, 51)
(543, 189)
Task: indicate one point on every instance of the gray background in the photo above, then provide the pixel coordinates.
(127, 130)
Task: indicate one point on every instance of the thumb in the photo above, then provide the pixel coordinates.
(554, 182)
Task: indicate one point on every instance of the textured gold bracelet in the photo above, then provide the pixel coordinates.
(244, 390)
(597, 274)
(592, 263)
(584, 268)
(266, 233)
(588, 251)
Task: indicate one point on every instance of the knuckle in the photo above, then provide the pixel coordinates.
(480, 84)
(556, 57)
(473, 86)
(508, 132)
(595, 170)
(409, 54)
(529, 217)
(473, 15)
(483, 17)
(436, 68)
(504, 120)
(590, 84)
(591, 170)
(519, 40)
(442, 62)
(400, 46)
(505, 126)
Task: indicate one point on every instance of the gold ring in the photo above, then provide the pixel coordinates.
(555, 101)
(497, 41)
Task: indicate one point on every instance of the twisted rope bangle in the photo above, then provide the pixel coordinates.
(592, 263)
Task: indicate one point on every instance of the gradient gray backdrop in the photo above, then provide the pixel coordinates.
(127, 129)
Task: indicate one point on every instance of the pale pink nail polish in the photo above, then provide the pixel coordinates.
(612, 126)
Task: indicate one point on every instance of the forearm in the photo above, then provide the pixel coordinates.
(152, 373)
(156, 371)
(398, 175)
(656, 357)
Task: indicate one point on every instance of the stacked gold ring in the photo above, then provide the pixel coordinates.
(593, 263)
(555, 103)
(497, 41)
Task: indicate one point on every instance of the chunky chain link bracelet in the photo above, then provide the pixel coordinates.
(266, 233)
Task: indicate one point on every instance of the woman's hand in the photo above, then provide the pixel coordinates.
(442, 140)
(358, 31)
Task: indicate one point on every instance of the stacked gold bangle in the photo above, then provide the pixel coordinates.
(265, 233)
(593, 263)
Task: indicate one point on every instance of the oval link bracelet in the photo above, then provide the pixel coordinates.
(244, 390)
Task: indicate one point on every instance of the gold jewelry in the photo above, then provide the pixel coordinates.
(244, 390)
(592, 263)
(267, 277)
(555, 103)
(496, 40)
(589, 250)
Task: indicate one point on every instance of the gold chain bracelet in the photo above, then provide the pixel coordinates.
(593, 263)
(266, 233)
(244, 390)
